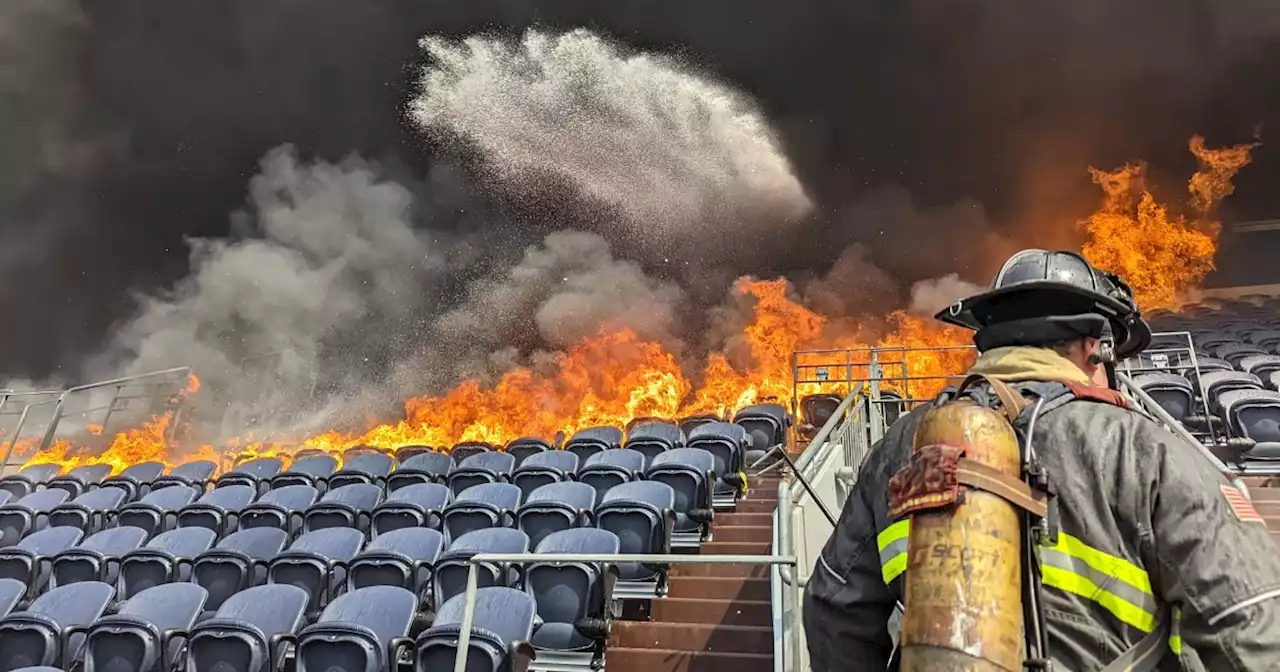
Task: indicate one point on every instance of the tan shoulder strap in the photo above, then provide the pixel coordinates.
(1011, 401)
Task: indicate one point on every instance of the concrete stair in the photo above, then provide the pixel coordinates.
(716, 618)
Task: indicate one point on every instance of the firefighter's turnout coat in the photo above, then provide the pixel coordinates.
(1149, 530)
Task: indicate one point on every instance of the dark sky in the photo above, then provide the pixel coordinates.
(157, 112)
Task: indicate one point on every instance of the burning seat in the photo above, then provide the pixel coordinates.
(46, 633)
(642, 515)
(79, 480)
(29, 561)
(29, 479)
(344, 506)
(312, 470)
(572, 599)
(499, 638)
(540, 469)
(281, 508)
(423, 468)
(167, 558)
(238, 562)
(405, 558)
(135, 480)
(651, 438)
(158, 510)
(88, 512)
(140, 635)
(465, 449)
(526, 446)
(450, 577)
(554, 507)
(727, 443)
(317, 563)
(817, 409)
(482, 506)
(29, 514)
(97, 558)
(420, 505)
(691, 473)
(405, 452)
(587, 442)
(218, 509)
(610, 468)
(366, 629)
(688, 424)
(366, 466)
(250, 631)
(192, 474)
(256, 473)
(1170, 391)
(487, 467)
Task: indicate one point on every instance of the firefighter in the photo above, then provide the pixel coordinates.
(1148, 528)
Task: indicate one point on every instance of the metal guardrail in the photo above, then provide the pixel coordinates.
(27, 400)
(469, 607)
(176, 376)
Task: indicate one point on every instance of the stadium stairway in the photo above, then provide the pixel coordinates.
(716, 617)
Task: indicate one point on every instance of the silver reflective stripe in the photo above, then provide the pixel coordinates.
(1110, 584)
(893, 549)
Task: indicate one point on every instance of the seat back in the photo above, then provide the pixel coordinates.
(33, 637)
(238, 636)
(136, 479)
(25, 562)
(97, 557)
(1216, 382)
(555, 507)
(219, 508)
(1170, 391)
(316, 562)
(355, 632)
(481, 506)
(88, 511)
(11, 593)
(610, 468)
(28, 478)
(501, 628)
(194, 474)
(587, 442)
(157, 511)
(403, 453)
(766, 423)
(365, 467)
(543, 468)
(421, 468)
(77, 481)
(727, 443)
(450, 577)
(652, 438)
(1253, 413)
(418, 505)
(688, 471)
(567, 592)
(312, 470)
(255, 473)
(343, 506)
(639, 514)
(403, 558)
(237, 562)
(465, 449)
(166, 558)
(135, 637)
(526, 446)
(282, 507)
(484, 467)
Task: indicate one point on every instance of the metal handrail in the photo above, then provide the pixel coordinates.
(469, 606)
(52, 430)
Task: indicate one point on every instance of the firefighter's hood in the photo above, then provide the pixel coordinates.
(1020, 363)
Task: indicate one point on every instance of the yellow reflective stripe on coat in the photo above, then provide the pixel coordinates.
(892, 542)
(1115, 584)
(1175, 636)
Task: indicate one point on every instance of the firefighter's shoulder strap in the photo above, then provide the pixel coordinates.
(974, 474)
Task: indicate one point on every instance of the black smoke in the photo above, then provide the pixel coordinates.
(916, 127)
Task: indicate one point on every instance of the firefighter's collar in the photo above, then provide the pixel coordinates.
(1021, 363)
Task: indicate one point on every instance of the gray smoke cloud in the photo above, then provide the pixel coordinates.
(681, 160)
(930, 296)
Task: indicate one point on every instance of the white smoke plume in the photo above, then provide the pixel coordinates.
(930, 296)
(681, 159)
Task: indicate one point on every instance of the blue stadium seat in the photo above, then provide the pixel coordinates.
(500, 632)
(480, 507)
(79, 480)
(419, 505)
(29, 514)
(728, 443)
(281, 508)
(218, 509)
(158, 510)
(554, 507)
(422, 468)
(239, 561)
(365, 630)
(462, 451)
(652, 438)
(573, 599)
(1170, 391)
(195, 474)
(165, 559)
(1215, 383)
(486, 467)
(28, 479)
(89, 511)
(450, 575)
(135, 480)
(29, 560)
(97, 557)
(367, 466)
(688, 424)
(690, 472)
(766, 424)
(525, 446)
(12, 592)
(404, 453)
(405, 558)
(250, 631)
(35, 636)
(1253, 418)
(610, 468)
(587, 442)
(256, 474)
(311, 470)
(1261, 366)
(642, 515)
(140, 636)
(343, 506)
(317, 563)
(540, 469)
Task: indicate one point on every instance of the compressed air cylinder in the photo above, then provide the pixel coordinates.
(963, 579)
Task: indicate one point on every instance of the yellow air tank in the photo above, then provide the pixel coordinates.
(963, 580)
